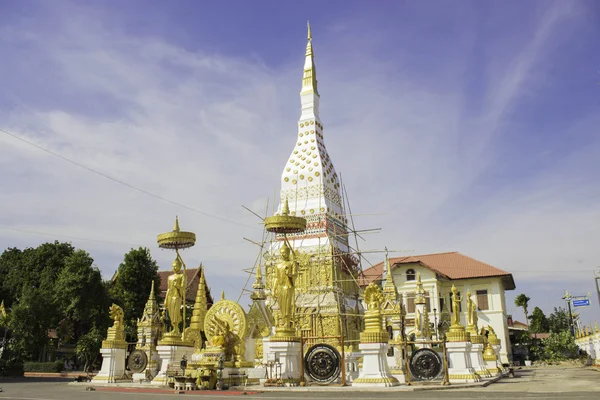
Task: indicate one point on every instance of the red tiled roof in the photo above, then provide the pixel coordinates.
(452, 265)
(193, 279)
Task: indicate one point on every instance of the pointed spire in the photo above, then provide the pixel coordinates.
(286, 208)
(152, 290)
(176, 227)
(200, 304)
(259, 292)
(223, 295)
(389, 289)
(420, 292)
(309, 81)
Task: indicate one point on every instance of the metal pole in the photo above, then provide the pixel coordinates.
(407, 372)
(597, 273)
(302, 381)
(435, 322)
(446, 377)
(571, 317)
(343, 362)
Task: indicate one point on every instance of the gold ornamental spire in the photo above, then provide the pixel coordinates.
(309, 80)
(200, 304)
(259, 286)
(389, 289)
(420, 292)
(176, 226)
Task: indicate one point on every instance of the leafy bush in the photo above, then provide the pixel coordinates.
(11, 368)
(559, 346)
(54, 366)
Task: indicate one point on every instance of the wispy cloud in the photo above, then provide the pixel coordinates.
(213, 132)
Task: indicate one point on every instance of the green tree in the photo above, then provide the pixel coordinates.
(559, 346)
(88, 347)
(80, 294)
(131, 286)
(539, 322)
(52, 286)
(523, 301)
(559, 320)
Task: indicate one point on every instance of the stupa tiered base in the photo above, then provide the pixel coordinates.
(375, 371)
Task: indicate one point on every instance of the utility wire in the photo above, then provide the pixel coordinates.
(122, 182)
(100, 240)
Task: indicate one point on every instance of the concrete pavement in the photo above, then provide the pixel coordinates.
(538, 383)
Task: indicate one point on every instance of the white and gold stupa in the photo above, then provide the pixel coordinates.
(326, 288)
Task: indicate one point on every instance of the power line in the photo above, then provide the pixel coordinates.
(122, 182)
(100, 240)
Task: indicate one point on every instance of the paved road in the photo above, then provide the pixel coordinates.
(546, 383)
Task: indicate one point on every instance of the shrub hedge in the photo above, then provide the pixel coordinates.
(52, 366)
(11, 368)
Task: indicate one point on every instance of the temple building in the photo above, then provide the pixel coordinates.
(193, 279)
(438, 272)
(327, 288)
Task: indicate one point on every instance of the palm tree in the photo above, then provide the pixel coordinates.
(522, 301)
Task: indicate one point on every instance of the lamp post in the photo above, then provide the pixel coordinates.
(435, 322)
(597, 273)
(567, 297)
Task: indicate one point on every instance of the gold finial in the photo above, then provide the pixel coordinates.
(309, 79)
(176, 227)
(286, 208)
(258, 272)
(388, 268)
(223, 295)
(152, 290)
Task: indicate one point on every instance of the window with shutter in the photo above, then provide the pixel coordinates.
(482, 300)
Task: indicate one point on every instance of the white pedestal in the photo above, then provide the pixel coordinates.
(113, 366)
(493, 367)
(375, 371)
(351, 360)
(170, 355)
(477, 361)
(397, 366)
(288, 354)
(459, 363)
(498, 361)
(597, 349)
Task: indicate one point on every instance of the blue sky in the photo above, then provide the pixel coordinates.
(474, 126)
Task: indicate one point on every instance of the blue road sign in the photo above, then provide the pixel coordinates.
(581, 303)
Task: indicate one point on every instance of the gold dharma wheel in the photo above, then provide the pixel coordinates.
(225, 311)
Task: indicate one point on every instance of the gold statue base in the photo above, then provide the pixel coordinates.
(174, 339)
(374, 337)
(457, 333)
(285, 335)
(114, 344)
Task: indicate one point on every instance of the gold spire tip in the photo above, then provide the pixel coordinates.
(309, 32)
(286, 208)
(176, 227)
(223, 295)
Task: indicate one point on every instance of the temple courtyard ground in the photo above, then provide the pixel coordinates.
(538, 383)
